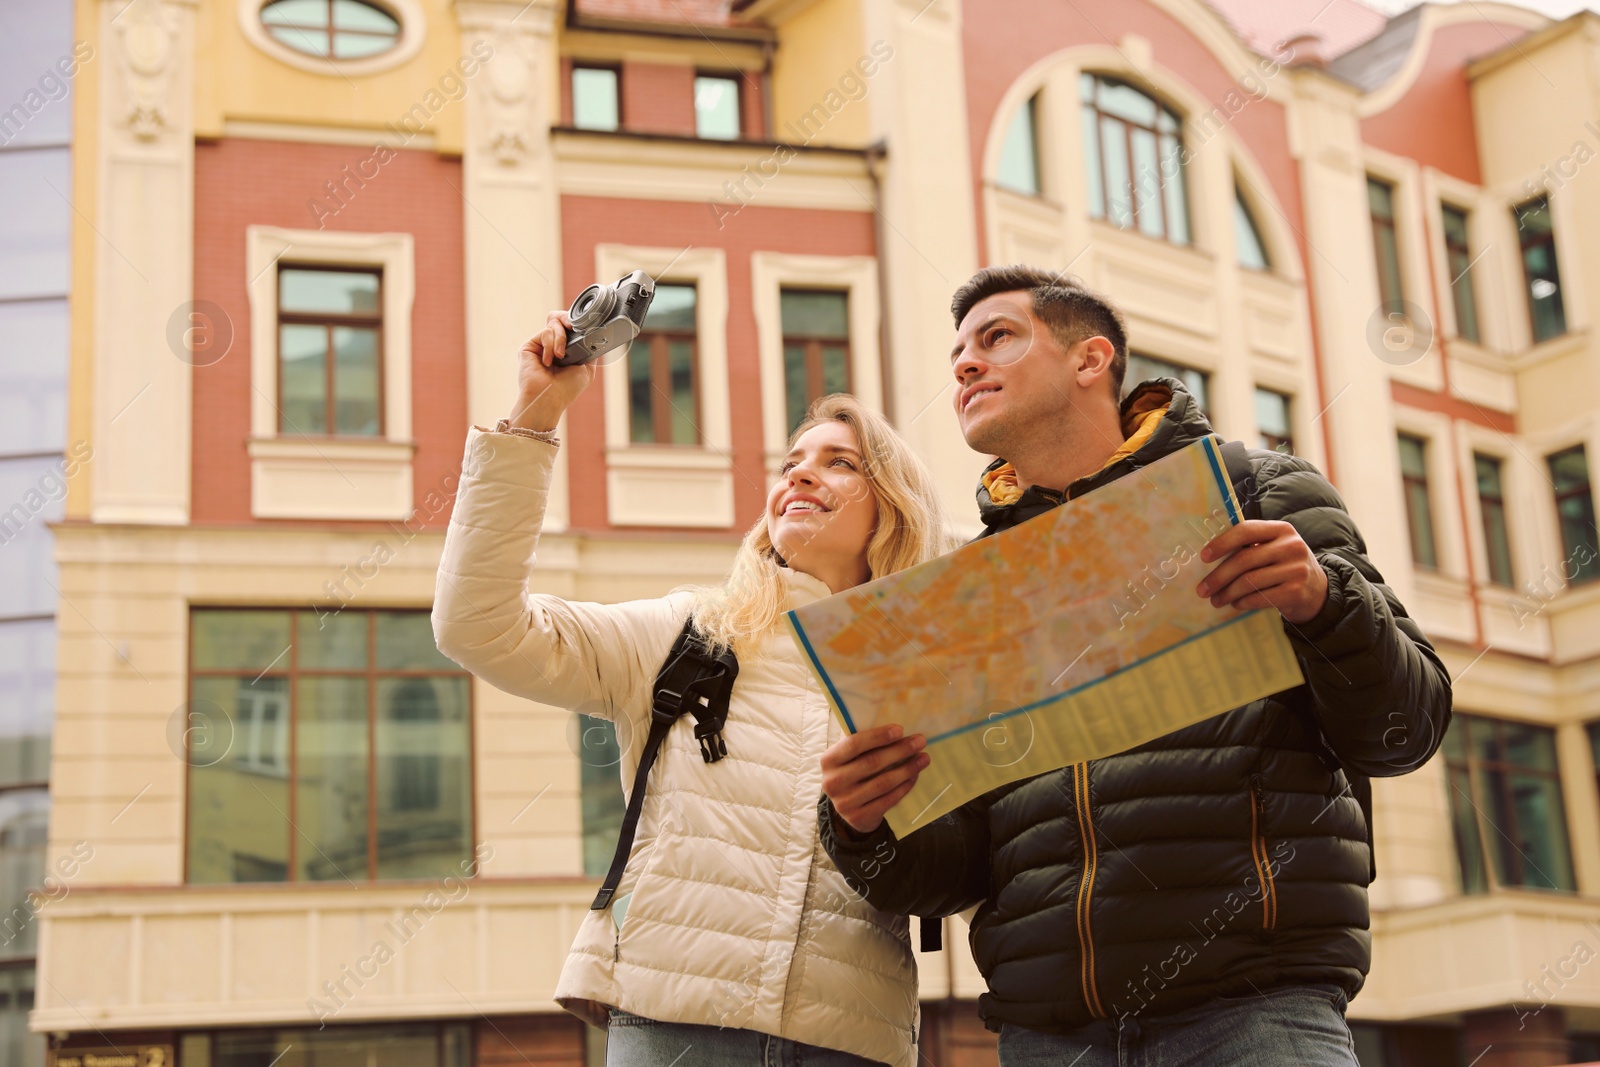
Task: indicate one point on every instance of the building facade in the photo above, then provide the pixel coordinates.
(308, 238)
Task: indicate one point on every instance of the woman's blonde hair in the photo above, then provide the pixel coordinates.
(910, 529)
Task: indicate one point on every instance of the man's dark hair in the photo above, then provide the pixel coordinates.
(1060, 301)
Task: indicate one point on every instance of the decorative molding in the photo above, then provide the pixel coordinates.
(330, 479)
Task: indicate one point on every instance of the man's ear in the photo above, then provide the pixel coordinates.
(1094, 360)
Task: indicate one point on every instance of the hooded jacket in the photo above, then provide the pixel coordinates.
(1229, 858)
(729, 913)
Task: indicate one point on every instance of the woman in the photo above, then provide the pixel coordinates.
(732, 938)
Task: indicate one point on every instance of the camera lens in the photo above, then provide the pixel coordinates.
(593, 307)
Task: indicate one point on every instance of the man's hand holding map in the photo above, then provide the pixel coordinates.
(1071, 637)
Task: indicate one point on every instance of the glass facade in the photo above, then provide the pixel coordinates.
(325, 747)
(1019, 153)
(38, 65)
(663, 394)
(596, 104)
(816, 347)
(716, 107)
(1547, 312)
(1505, 800)
(1133, 147)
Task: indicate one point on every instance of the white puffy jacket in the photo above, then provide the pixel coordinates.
(737, 917)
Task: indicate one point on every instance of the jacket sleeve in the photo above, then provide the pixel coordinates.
(938, 870)
(593, 658)
(1380, 692)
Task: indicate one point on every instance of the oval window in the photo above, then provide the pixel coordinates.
(331, 29)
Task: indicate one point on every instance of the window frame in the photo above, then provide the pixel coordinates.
(812, 344)
(1391, 275)
(737, 78)
(1101, 210)
(1524, 245)
(1129, 383)
(408, 13)
(1508, 579)
(329, 28)
(1590, 569)
(1273, 441)
(615, 70)
(1242, 208)
(1463, 293)
(1030, 108)
(1409, 482)
(658, 342)
(1465, 725)
(330, 320)
(291, 673)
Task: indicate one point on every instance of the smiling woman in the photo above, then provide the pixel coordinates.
(676, 956)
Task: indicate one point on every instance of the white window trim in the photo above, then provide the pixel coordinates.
(673, 485)
(329, 478)
(1413, 242)
(770, 274)
(413, 31)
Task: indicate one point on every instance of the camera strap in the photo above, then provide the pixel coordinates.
(691, 680)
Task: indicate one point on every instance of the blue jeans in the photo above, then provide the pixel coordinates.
(633, 1041)
(1300, 1025)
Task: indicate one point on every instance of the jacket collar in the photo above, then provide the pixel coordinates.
(803, 588)
(1148, 440)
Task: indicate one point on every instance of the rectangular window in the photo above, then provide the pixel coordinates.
(1505, 802)
(816, 347)
(401, 1043)
(1492, 506)
(716, 107)
(1143, 368)
(325, 747)
(1458, 261)
(595, 98)
(663, 390)
(1380, 201)
(330, 352)
(1569, 473)
(1019, 157)
(1546, 310)
(1419, 512)
(1273, 428)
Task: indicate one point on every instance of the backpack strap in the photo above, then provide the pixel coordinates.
(690, 680)
(1236, 458)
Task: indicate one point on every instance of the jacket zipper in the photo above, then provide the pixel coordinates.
(1080, 791)
(1259, 853)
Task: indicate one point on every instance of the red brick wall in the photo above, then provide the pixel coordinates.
(657, 98)
(248, 182)
(588, 221)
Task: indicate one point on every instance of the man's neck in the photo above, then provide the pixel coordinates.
(1058, 459)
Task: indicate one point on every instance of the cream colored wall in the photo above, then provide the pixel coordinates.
(239, 81)
(818, 43)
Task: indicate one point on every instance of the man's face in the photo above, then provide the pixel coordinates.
(1012, 377)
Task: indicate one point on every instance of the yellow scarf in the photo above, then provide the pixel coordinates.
(1137, 426)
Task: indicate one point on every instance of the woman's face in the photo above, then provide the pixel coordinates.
(821, 511)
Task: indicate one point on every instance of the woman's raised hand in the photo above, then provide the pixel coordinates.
(545, 390)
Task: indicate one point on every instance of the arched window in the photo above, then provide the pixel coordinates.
(1247, 236)
(331, 29)
(1134, 151)
(1019, 155)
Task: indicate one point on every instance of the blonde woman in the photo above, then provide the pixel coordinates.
(732, 938)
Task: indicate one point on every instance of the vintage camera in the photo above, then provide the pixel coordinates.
(606, 318)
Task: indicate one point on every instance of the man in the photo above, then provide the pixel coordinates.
(1200, 899)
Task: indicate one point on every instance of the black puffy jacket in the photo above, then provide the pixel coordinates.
(1229, 858)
